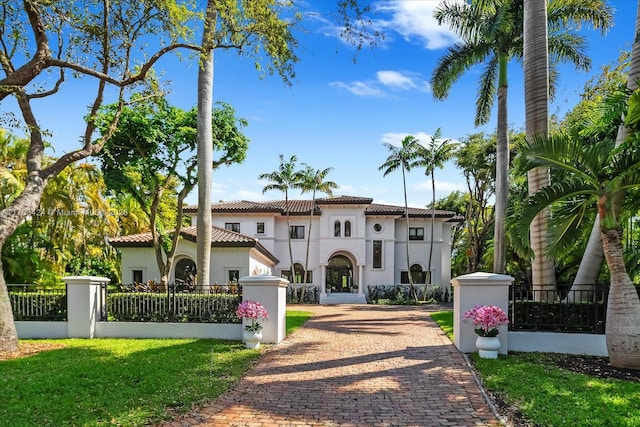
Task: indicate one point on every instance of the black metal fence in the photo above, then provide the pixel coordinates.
(30, 302)
(173, 303)
(558, 309)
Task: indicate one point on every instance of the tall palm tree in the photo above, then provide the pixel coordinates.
(313, 180)
(536, 94)
(401, 158)
(600, 173)
(492, 34)
(284, 179)
(433, 156)
(592, 260)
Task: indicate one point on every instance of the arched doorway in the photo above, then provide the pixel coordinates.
(185, 272)
(339, 274)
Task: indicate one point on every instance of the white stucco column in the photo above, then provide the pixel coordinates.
(83, 304)
(271, 292)
(478, 289)
(360, 283)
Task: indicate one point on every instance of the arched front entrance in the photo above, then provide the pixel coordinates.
(340, 274)
(185, 272)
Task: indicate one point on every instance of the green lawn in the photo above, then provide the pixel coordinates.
(550, 396)
(132, 382)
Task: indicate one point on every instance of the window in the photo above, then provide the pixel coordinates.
(417, 274)
(296, 231)
(377, 254)
(416, 233)
(260, 228)
(232, 226)
(299, 274)
(377, 227)
(137, 276)
(347, 229)
(336, 229)
(233, 275)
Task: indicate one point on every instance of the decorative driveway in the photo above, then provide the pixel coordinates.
(355, 365)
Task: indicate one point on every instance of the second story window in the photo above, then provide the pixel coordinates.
(232, 226)
(296, 231)
(377, 254)
(416, 233)
(336, 229)
(347, 229)
(260, 228)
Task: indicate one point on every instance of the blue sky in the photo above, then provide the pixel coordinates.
(338, 113)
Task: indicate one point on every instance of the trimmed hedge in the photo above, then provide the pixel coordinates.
(401, 294)
(558, 317)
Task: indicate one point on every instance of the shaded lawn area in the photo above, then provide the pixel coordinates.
(546, 395)
(131, 382)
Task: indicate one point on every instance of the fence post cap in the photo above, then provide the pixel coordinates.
(482, 278)
(88, 280)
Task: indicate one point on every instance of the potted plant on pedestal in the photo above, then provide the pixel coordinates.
(252, 333)
(486, 320)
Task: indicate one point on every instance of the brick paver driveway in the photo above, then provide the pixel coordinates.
(355, 365)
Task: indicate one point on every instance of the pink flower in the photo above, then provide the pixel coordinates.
(486, 319)
(252, 310)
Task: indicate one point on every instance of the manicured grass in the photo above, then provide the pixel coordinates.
(295, 319)
(550, 396)
(444, 319)
(129, 382)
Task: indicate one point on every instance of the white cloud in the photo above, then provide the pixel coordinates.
(386, 80)
(395, 138)
(360, 88)
(442, 187)
(415, 22)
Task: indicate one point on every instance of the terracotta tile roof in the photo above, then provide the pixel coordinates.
(220, 238)
(303, 207)
(377, 209)
(344, 200)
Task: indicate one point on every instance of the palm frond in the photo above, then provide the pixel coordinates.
(487, 91)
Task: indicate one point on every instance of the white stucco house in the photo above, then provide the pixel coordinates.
(354, 243)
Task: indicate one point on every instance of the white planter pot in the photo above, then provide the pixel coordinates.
(488, 347)
(252, 339)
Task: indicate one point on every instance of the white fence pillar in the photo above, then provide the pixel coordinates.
(83, 309)
(478, 289)
(271, 292)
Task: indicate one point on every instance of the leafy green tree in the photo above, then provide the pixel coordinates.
(313, 181)
(285, 178)
(402, 158)
(492, 34)
(41, 43)
(434, 155)
(152, 155)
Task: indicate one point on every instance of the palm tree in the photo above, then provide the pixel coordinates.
(492, 34)
(536, 94)
(592, 260)
(402, 158)
(599, 173)
(313, 180)
(204, 146)
(283, 179)
(433, 156)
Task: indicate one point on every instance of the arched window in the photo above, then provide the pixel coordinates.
(299, 269)
(417, 274)
(347, 229)
(336, 229)
(185, 271)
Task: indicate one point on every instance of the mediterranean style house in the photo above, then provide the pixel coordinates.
(353, 243)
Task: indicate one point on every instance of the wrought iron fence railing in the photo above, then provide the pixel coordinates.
(31, 302)
(173, 303)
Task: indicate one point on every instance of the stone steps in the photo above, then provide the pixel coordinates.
(342, 298)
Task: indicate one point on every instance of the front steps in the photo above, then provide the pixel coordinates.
(342, 298)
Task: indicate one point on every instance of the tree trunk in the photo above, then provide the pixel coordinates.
(593, 258)
(10, 217)
(433, 223)
(536, 94)
(502, 176)
(623, 308)
(406, 215)
(205, 148)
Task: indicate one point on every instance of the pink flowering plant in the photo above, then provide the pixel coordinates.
(486, 319)
(252, 310)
